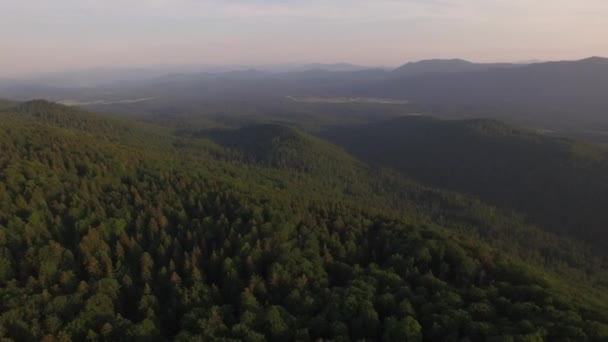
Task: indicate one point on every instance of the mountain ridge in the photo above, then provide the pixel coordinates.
(446, 66)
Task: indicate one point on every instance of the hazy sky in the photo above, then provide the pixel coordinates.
(52, 35)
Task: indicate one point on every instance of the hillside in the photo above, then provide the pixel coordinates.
(281, 146)
(445, 66)
(146, 235)
(556, 95)
(564, 96)
(558, 184)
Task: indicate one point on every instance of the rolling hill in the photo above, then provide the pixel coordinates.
(139, 233)
(556, 183)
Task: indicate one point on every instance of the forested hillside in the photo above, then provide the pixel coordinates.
(116, 230)
(558, 184)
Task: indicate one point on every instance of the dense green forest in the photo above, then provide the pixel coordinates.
(559, 184)
(112, 229)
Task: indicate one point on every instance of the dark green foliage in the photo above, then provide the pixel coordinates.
(559, 184)
(280, 146)
(111, 234)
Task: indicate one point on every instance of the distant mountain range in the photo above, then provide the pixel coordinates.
(567, 92)
(447, 66)
(564, 95)
(102, 76)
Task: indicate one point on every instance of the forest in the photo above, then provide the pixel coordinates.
(125, 229)
(559, 184)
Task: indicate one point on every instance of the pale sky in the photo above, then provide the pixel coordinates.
(56, 35)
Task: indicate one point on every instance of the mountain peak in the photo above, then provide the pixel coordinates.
(282, 146)
(445, 66)
(436, 62)
(594, 59)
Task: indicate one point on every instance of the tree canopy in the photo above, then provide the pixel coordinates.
(116, 230)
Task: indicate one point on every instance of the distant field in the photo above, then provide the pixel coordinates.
(317, 99)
